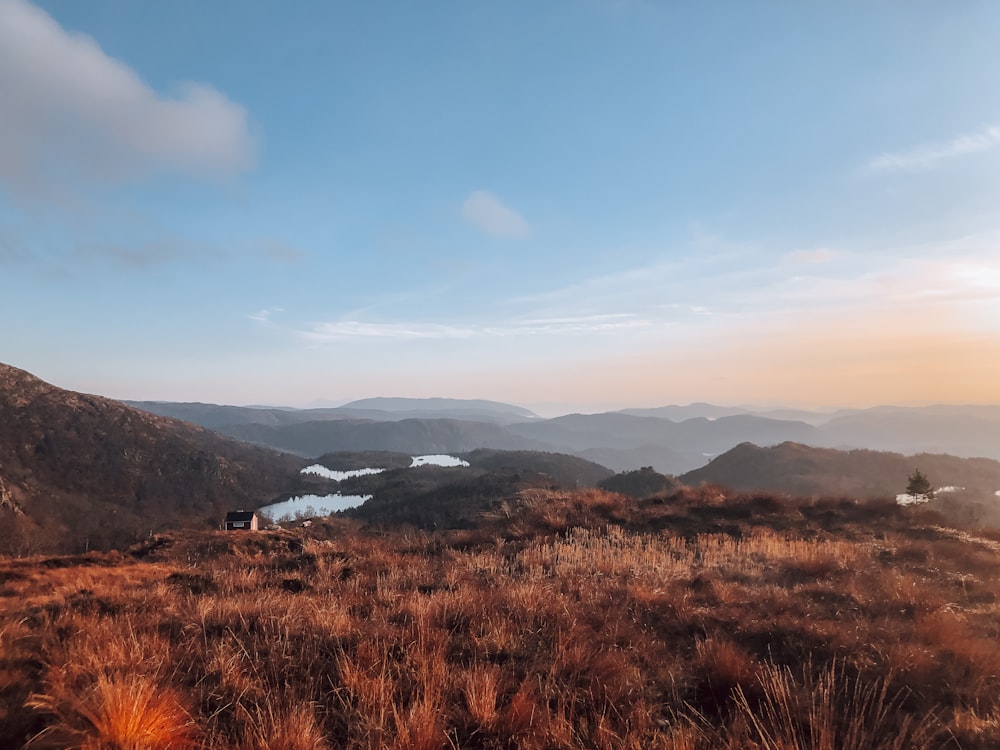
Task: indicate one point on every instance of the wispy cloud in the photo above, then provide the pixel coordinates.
(929, 156)
(595, 294)
(485, 211)
(589, 324)
(70, 110)
(692, 295)
(264, 316)
(352, 329)
(691, 291)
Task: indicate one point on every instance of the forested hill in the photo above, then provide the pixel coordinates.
(79, 470)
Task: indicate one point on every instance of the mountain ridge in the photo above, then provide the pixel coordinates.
(82, 469)
(622, 440)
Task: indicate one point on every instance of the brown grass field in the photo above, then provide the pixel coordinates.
(565, 620)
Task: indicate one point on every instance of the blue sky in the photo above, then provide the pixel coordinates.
(567, 205)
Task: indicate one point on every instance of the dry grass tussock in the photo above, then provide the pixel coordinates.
(694, 621)
(116, 713)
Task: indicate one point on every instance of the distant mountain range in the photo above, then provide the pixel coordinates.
(214, 416)
(413, 436)
(445, 408)
(813, 417)
(671, 439)
(78, 470)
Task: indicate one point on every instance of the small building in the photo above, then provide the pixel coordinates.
(241, 520)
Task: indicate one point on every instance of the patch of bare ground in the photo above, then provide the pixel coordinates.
(564, 620)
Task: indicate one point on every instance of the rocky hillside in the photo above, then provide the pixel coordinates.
(78, 470)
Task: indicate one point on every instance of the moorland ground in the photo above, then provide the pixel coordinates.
(696, 619)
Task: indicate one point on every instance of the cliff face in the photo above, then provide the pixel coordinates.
(77, 468)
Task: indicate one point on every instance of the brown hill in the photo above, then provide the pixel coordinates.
(796, 469)
(81, 471)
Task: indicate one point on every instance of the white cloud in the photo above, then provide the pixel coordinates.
(349, 329)
(930, 155)
(586, 324)
(484, 210)
(70, 110)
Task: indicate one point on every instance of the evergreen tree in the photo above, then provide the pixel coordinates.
(919, 486)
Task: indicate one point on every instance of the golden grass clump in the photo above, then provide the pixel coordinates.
(291, 728)
(481, 689)
(118, 713)
(833, 710)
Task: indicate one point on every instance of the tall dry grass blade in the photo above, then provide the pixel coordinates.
(831, 711)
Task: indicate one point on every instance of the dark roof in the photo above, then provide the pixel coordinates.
(240, 515)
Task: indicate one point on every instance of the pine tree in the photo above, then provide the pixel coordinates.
(919, 486)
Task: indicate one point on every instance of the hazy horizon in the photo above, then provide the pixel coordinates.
(555, 409)
(571, 205)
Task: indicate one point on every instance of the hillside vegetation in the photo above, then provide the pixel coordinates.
(79, 471)
(798, 469)
(413, 436)
(672, 439)
(566, 619)
(432, 497)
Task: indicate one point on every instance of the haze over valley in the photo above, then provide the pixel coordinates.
(80, 471)
(671, 439)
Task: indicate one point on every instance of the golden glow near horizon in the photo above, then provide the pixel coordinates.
(930, 335)
(663, 206)
(933, 337)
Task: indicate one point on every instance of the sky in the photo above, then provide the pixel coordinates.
(573, 205)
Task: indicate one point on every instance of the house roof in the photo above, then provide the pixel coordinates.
(240, 515)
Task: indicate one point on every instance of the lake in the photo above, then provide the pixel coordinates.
(438, 460)
(312, 505)
(339, 476)
(324, 505)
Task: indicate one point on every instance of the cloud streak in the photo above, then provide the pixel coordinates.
(71, 111)
(485, 211)
(355, 329)
(264, 316)
(929, 156)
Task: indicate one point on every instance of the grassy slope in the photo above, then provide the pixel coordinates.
(566, 619)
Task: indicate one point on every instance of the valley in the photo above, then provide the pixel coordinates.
(673, 440)
(485, 598)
